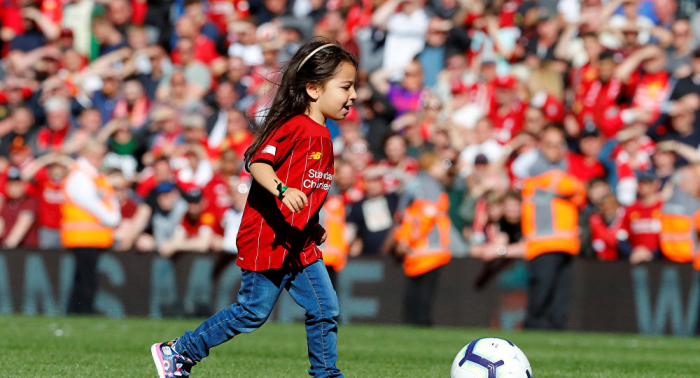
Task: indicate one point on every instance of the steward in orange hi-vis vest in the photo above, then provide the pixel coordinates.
(551, 202)
(680, 223)
(425, 226)
(332, 218)
(80, 227)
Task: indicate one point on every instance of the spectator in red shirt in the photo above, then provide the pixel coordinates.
(197, 231)
(238, 136)
(52, 137)
(10, 22)
(507, 110)
(204, 47)
(18, 214)
(45, 176)
(123, 193)
(135, 105)
(586, 164)
(642, 221)
(159, 173)
(401, 166)
(217, 191)
(15, 93)
(605, 225)
(347, 183)
(647, 82)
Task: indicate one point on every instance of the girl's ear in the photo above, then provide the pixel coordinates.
(313, 90)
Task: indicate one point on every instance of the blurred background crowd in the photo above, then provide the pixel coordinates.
(172, 90)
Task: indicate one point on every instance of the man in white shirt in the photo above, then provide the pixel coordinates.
(406, 31)
(484, 144)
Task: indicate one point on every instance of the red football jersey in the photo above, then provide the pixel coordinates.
(271, 236)
(50, 196)
(643, 224)
(583, 170)
(508, 124)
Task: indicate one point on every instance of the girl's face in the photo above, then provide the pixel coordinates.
(336, 97)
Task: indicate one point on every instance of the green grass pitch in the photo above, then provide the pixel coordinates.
(99, 347)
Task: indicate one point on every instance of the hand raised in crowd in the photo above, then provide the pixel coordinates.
(667, 145)
(31, 13)
(294, 199)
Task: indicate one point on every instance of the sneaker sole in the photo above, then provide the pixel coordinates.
(158, 359)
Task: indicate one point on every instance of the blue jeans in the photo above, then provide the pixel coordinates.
(311, 289)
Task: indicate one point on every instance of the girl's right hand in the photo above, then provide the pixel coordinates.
(295, 199)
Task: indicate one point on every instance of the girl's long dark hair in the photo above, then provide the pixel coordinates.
(291, 98)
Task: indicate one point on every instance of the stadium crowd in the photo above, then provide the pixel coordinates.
(469, 92)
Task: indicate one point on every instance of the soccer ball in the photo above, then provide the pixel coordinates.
(491, 357)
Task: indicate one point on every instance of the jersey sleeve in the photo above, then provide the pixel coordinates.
(275, 147)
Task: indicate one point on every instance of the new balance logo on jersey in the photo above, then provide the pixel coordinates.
(314, 156)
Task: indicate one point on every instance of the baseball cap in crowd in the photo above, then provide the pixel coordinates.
(193, 196)
(13, 174)
(66, 33)
(522, 11)
(505, 82)
(590, 130)
(647, 175)
(164, 187)
(481, 159)
(545, 14)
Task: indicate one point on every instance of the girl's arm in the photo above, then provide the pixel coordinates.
(294, 199)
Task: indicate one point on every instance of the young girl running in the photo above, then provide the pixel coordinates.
(291, 161)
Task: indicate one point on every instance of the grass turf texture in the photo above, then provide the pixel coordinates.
(99, 347)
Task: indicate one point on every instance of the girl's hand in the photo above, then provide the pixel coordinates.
(320, 234)
(294, 199)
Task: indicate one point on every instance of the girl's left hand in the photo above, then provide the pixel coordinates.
(320, 235)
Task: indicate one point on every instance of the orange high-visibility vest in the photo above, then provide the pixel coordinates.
(332, 218)
(680, 222)
(550, 213)
(80, 228)
(425, 227)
